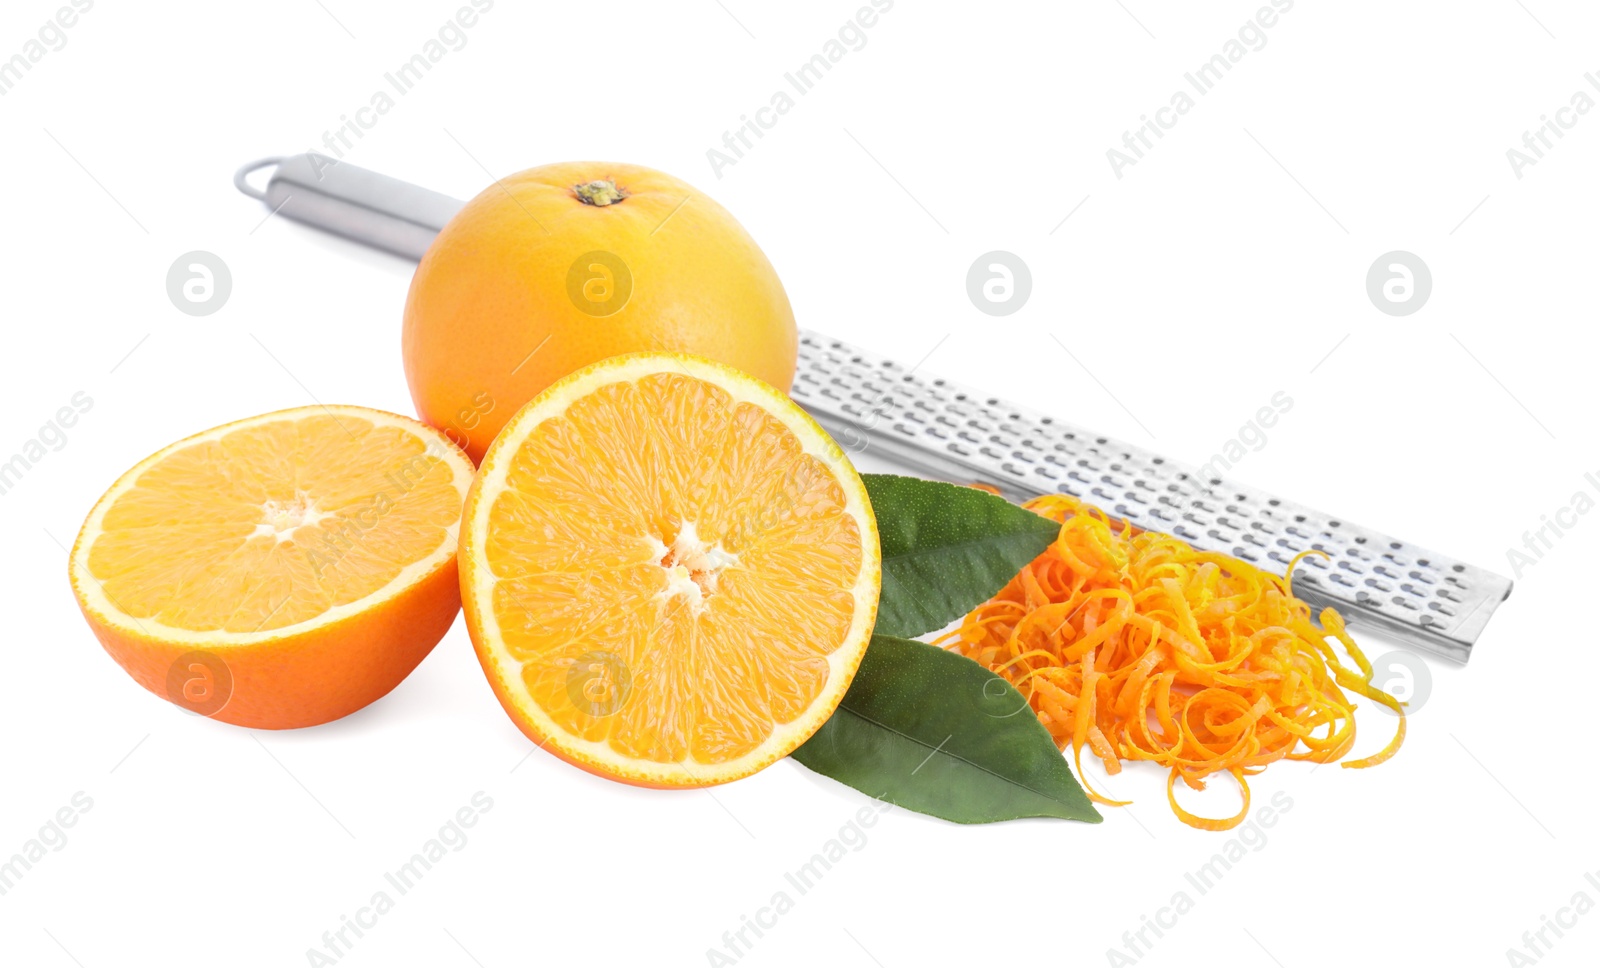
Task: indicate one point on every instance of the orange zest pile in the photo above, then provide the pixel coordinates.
(1143, 648)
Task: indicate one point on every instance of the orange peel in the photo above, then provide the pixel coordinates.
(1141, 647)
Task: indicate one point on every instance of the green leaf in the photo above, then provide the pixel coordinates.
(946, 549)
(935, 732)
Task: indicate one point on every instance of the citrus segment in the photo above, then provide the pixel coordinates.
(670, 572)
(310, 552)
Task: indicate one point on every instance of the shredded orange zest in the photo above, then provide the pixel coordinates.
(1140, 647)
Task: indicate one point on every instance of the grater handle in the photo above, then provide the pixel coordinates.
(363, 206)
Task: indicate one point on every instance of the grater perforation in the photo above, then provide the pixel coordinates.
(1375, 581)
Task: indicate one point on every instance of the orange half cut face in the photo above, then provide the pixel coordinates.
(670, 572)
(305, 559)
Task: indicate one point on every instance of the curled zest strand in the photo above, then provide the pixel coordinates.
(1139, 647)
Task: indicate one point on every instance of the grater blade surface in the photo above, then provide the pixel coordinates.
(1376, 581)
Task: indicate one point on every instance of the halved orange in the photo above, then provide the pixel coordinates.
(669, 571)
(280, 571)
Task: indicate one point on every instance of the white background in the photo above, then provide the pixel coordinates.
(1225, 266)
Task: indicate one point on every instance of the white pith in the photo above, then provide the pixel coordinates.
(478, 580)
(281, 521)
(691, 567)
(95, 599)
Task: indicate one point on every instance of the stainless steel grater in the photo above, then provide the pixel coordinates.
(938, 428)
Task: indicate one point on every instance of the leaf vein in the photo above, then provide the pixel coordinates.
(979, 541)
(926, 745)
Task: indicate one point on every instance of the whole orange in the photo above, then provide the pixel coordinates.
(561, 266)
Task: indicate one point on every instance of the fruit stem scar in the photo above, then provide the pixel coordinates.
(600, 192)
